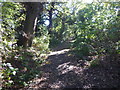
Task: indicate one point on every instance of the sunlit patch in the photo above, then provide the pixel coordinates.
(41, 81)
(69, 55)
(59, 52)
(57, 84)
(47, 62)
(66, 67)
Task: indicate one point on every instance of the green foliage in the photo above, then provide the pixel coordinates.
(94, 29)
(11, 17)
(60, 24)
(9, 11)
(8, 71)
(19, 65)
(41, 43)
(97, 34)
(82, 49)
(54, 41)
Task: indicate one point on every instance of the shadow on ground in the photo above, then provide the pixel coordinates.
(64, 70)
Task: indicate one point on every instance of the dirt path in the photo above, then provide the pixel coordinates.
(66, 71)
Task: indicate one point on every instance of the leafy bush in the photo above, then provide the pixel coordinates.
(98, 31)
(19, 65)
(8, 71)
(41, 43)
(54, 41)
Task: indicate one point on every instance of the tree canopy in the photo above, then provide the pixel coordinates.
(31, 30)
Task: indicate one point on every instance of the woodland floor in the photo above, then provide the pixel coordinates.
(64, 70)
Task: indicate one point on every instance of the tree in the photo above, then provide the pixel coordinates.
(32, 11)
(50, 16)
(97, 31)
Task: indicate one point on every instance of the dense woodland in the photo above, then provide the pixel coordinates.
(87, 34)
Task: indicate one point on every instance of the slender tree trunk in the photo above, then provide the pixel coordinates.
(50, 17)
(32, 11)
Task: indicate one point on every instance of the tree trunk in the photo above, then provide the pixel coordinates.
(50, 17)
(32, 11)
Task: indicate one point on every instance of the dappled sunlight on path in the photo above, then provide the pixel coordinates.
(64, 70)
(58, 52)
(67, 67)
(60, 72)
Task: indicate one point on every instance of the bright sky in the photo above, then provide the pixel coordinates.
(87, 1)
(84, 1)
(70, 2)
